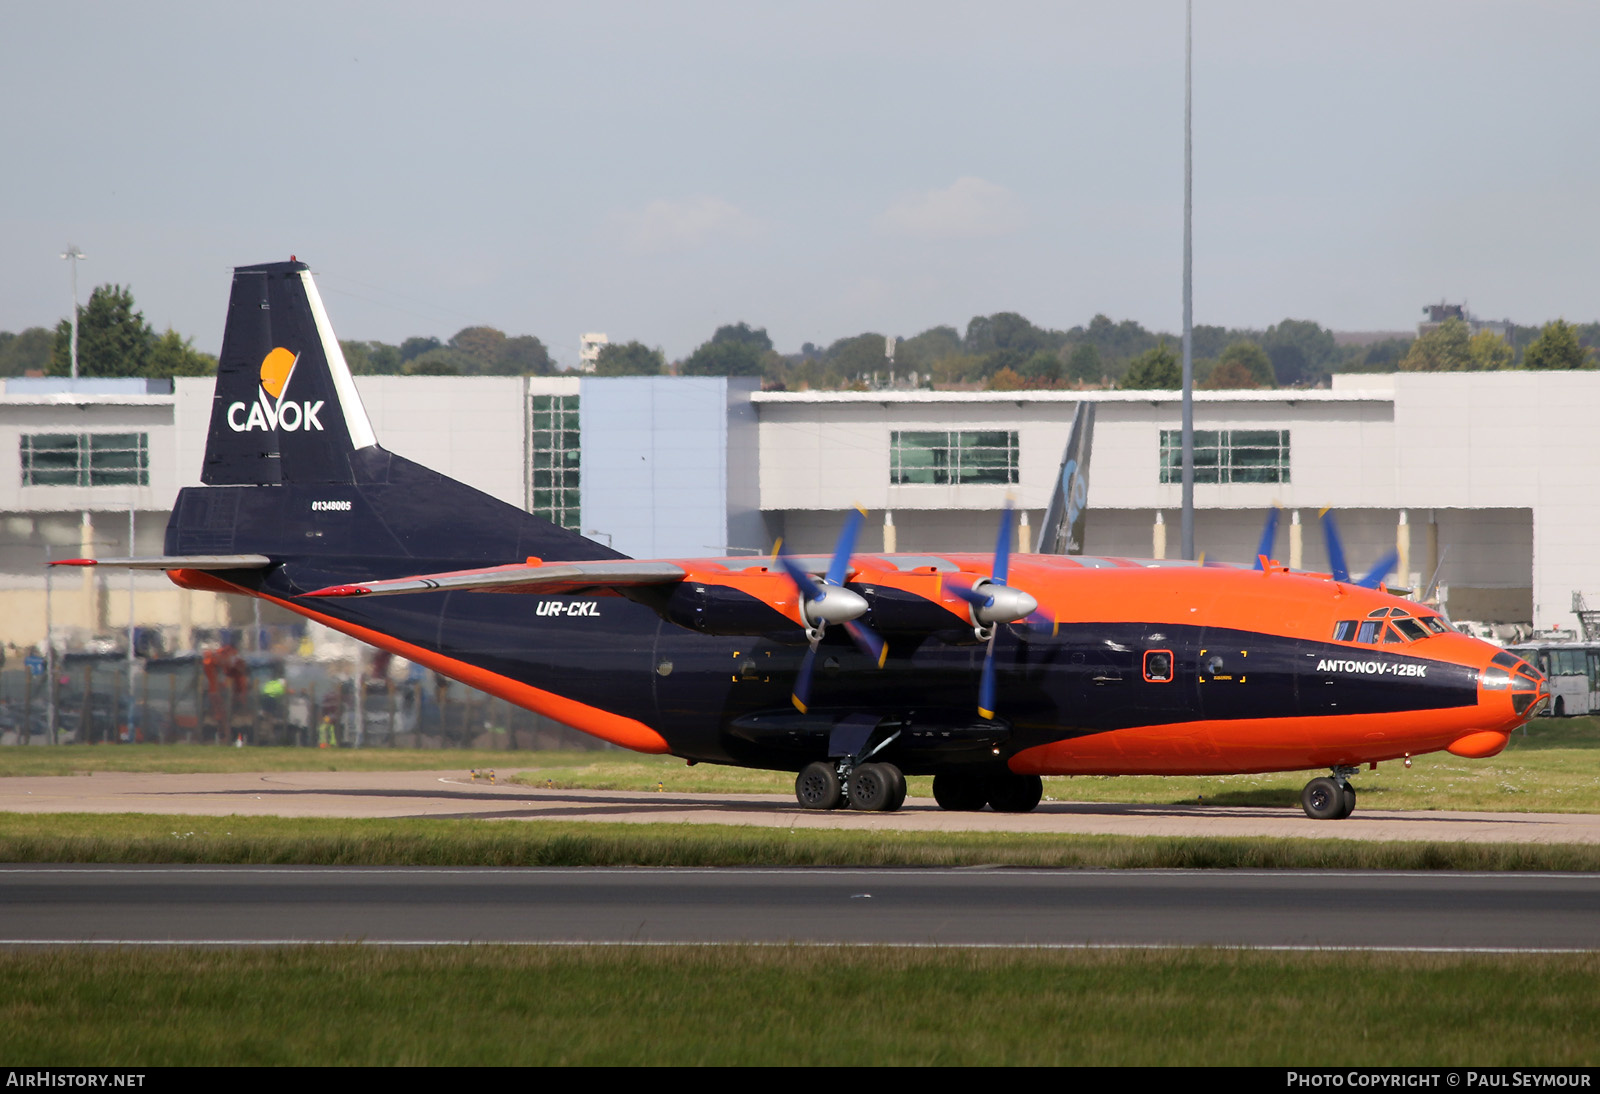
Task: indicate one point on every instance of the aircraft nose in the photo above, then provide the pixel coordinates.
(1510, 691)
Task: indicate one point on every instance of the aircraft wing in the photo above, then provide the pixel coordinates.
(522, 577)
(173, 562)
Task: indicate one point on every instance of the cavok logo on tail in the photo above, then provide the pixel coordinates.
(269, 411)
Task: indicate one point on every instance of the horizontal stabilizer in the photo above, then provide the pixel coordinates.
(174, 562)
(528, 577)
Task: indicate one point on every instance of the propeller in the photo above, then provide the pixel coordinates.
(1336, 559)
(993, 602)
(830, 602)
(1269, 533)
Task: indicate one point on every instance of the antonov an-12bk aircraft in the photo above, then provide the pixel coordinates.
(984, 671)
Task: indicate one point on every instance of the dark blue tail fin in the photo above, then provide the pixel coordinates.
(1062, 533)
(294, 470)
(286, 409)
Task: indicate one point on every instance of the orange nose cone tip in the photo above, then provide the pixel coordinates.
(1478, 746)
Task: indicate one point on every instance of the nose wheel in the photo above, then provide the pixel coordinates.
(1330, 798)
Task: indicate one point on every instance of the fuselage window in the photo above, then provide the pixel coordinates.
(1158, 666)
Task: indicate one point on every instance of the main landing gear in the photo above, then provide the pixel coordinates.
(870, 787)
(1004, 791)
(880, 787)
(1330, 798)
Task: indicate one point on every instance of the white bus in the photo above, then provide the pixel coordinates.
(1573, 669)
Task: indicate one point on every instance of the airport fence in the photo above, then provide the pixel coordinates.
(274, 701)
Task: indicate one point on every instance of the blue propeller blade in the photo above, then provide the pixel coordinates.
(802, 681)
(986, 684)
(802, 580)
(1002, 545)
(868, 642)
(1330, 532)
(1381, 570)
(1269, 535)
(976, 597)
(840, 566)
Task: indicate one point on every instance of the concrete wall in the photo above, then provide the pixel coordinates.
(665, 463)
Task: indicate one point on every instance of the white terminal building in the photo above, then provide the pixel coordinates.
(1483, 478)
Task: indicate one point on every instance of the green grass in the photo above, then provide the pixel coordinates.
(1551, 767)
(410, 841)
(782, 1005)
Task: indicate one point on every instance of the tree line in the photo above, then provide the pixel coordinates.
(1003, 351)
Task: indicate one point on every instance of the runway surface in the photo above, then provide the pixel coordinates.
(455, 794)
(1315, 909)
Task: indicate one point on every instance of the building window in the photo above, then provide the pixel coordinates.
(1228, 455)
(954, 458)
(556, 460)
(86, 459)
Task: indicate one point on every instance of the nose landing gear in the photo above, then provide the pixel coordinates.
(1330, 798)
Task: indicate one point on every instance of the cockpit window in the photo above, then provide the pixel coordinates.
(1344, 630)
(1369, 632)
(1507, 661)
(1391, 637)
(1377, 613)
(1434, 624)
(1411, 629)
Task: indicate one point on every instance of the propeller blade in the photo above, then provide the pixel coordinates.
(1269, 534)
(1381, 570)
(1002, 544)
(1330, 532)
(802, 580)
(845, 547)
(986, 683)
(802, 680)
(970, 593)
(1042, 622)
(868, 642)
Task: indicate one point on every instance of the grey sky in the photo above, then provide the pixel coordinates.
(654, 170)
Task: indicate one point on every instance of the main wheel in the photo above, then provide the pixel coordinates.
(1323, 799)
(959, 793)
(897, 787)
(872, 787)
(1349, 805)
(1010, 793)
(817, 787)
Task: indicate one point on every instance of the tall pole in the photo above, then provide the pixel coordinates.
(74, 256)
(49, 648)
(1188, 282)
(131, 552)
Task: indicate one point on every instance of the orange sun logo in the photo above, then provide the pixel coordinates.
(275, 369)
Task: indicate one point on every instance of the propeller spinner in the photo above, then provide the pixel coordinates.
(828, 601)
(993, 602)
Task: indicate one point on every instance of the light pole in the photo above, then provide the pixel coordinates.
(1188, 283)
(73, 255)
